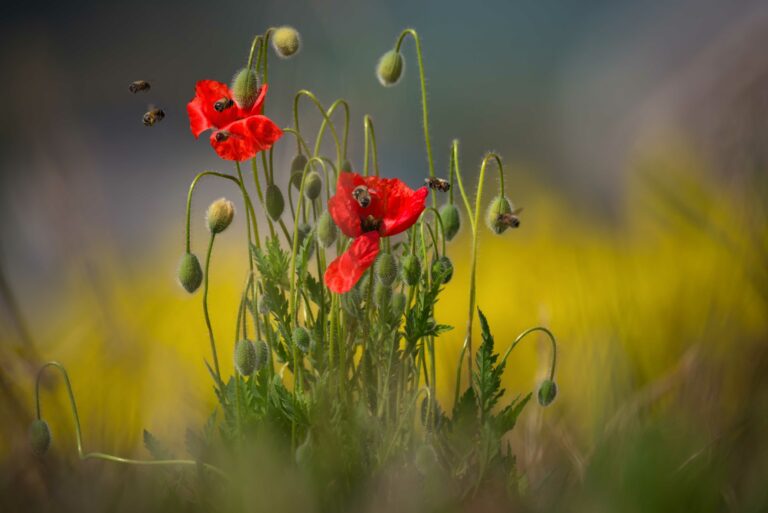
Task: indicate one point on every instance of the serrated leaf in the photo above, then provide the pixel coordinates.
(156, 448)
(487, 376)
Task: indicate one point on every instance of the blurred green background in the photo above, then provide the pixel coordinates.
(635, 136)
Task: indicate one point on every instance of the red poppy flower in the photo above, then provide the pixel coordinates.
(368, 208)
(239, 133)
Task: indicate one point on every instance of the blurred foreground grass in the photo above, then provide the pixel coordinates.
(661, 319)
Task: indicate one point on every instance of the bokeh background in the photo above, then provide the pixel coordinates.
(635, 135)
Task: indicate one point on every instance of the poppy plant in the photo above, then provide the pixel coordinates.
(367, 209)
(239, 132)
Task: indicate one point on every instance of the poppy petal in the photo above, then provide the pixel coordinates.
(345, 271)
(258, 105)
(202, 114)
(344, 209)
(245, 138)
(403, 207)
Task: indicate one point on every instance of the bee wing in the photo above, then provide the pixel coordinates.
(516, 211)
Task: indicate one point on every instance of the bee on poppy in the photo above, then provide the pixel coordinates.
(223, 104)
(361, 195)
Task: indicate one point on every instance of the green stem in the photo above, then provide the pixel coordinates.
(321, 131)
(522, 335)
(189, 200)
(323, 112)
(78, 432)
(205, 307)
(369, 132)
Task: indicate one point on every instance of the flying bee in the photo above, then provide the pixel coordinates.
(362, 196)
(437, 184)
(222, 135)
(153, 115)
(511, 219)
(223, 104)
(139, 85)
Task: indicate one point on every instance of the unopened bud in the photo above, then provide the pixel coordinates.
(245, 87)
(547, 392)
(190, 273)
(382, 294)
(346, 166)
(398, 304)
(386, 269)
(390, 68)
(286, 41)
(39, 436)
(451, 219)
(313, 185)
(443, 267)
(497, 209)
(326, 229)
(245, 357)
(262, 354)
(411, 270)
(275, 202)
(298, 164)
(301, 339)
(220, 215)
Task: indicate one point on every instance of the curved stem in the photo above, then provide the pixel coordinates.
(370, 133)
(320, 107)
(205, 307)
(325, 122)
(78, 432)
(442, 227)
(189, 199)
(302, 145)
(527, 332)
(424, 109)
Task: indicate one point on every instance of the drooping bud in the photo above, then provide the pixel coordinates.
(245, 87)
(390, 68)
(346, 166)
(398, 304)
(382, 294)
(313, 185)
(298, 164)
(39, 436)
(301, 339)
(326, 229)
(262, 354)
(190, 273)
(547, 392)
(451, 219)
(410, 270)
(245, 357)
(275, 202)
(220, 215)
(499, 207)
(286, 41)
(305, 230)
(443, 267)
(386, 269)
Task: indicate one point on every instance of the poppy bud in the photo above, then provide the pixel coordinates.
(547, 392)
(301, 339)
(346, 166)
(262, 354)
(245, 357)
(39, 436)
(390, 68)
(449, 215)
(275, 202)
(411, 270)
(382, 294)
(286, 41)
(386, 269)
(245, 87)
(326, 229)
(498, 207)
(190, 273)
(398, 304)
(443, 267)
(313, 185)
(220, 215)
(298, 164)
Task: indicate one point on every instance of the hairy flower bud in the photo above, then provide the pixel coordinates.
(326, 229)
(262, 354)
(301, 339)
(346, 166)
(390, 68)
(39, 436)
(313, 185)
(410, 270)
(286, 41)
(382, 294)
(190, 273)
(443, 267)
(498, 207)
(275, 201)
(386, 269)
(245, 87)
(547, 392)
(451, 219)
(220, 215)
(398, 304)
(245, 357)
(298, 164)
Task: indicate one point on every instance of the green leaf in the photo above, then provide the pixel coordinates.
(487, 376)
(507, 418)
(156, 448)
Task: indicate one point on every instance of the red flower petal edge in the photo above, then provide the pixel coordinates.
(347, 269)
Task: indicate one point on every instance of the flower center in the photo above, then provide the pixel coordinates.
(370, 224)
